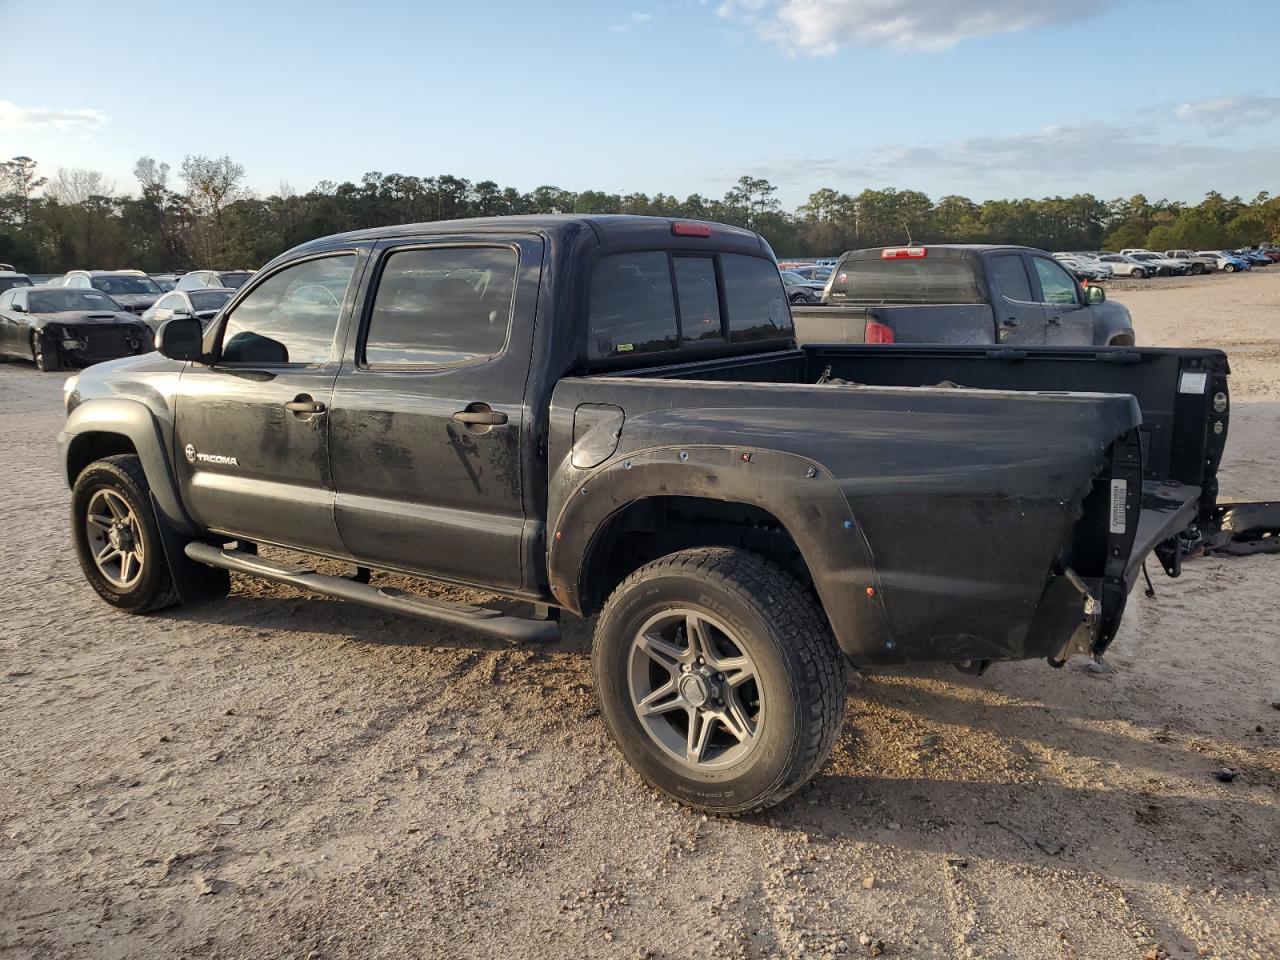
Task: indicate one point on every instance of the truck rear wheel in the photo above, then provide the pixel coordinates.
(719, 679)
(117, 537)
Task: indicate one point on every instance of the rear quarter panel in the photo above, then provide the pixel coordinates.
(928, 517)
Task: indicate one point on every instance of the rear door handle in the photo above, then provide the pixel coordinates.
(481, 418)
(305, 405)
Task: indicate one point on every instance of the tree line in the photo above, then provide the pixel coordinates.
(205, 216)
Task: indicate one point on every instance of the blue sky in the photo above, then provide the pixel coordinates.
(994, 99)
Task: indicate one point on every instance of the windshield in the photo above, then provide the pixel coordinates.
(209, 299)
(793, 278)
(9, 282)
(125, 284)
(62, 300)
(234, 280)
(1145, 256)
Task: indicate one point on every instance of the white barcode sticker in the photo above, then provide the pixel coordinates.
(1119, 500)
(1192, 382)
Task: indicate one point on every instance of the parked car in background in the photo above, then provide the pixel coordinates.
(1161, 266)
(811, 272)
(1123, 266)
(56, 327)
(961, 293)
(202, 304)
(1253, 257)
(131, 289)
(11, 278)
(1227, 262)
(801, 290)
(39, 278)
(196, 279)
(1196, 263)
(165, 281)
(1083, 269)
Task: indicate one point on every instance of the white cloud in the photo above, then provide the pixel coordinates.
(1104, 158)
(1222, 115)
(821, 27)
(14, 117)
(633, 19)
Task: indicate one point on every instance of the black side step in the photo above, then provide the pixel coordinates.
(483, 620)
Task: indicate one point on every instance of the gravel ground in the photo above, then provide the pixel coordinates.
(281, 776)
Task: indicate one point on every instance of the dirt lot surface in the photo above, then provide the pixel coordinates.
(280, 776)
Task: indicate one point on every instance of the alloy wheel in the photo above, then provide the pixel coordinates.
(695, 689)
(115, 539)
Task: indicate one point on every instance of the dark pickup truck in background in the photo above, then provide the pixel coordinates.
(957, 293)
(610, 415)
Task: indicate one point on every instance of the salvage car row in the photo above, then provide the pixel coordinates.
(86, 316)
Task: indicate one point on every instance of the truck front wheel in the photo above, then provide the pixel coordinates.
(719, 679)
(117, 537)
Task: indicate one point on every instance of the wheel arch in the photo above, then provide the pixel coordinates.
(787, 508)
(109, 426)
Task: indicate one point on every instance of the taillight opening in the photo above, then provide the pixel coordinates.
(904, 253)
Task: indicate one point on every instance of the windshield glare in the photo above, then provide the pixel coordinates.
(125, 285)
(61, 301)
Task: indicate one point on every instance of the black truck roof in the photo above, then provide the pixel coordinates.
(622, 231)
(945, 251)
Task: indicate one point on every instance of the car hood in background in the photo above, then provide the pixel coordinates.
(82, 318)
(135, 302)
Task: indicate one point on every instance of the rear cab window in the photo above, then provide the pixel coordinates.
(657, 301)
(1010, 275)
(923, 280)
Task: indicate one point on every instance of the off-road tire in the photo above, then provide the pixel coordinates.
(778, 624)
(123, 474)
(45, 363)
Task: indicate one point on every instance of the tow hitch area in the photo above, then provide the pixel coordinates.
(1244, 529)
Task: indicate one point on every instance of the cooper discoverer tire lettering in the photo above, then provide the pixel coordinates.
(719, 679)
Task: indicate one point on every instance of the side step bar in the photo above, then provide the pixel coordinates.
(493, 622)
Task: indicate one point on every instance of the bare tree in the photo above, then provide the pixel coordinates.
(75, 186)
(154, 177)
(212, 183)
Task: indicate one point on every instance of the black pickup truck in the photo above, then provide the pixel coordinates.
(610, 415)
(961, 293)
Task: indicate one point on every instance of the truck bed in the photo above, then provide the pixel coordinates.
(977, 498)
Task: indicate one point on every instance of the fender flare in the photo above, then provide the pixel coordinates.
(134, 421)
(801, 493)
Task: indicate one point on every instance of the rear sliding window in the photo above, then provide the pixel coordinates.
(906, 281)
(636, 308)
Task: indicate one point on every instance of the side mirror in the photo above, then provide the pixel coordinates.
(18, 308)
(181, 339)
(1094, 294)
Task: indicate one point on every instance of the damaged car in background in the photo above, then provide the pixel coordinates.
(56, 327)
(611, 416)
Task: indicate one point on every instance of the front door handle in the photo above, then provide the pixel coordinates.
(480, 418)
(304, 404)
(1010, 321)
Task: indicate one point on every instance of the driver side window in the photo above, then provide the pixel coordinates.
(292, 316)
(1056, 285)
